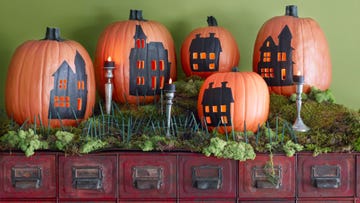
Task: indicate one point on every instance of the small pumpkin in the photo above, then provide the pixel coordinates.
(144, 56)
(208, 50)
(289, 45)
(50, 81)
(232, 100)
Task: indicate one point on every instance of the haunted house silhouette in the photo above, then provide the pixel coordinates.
(276, 65)
(216, 105)
(149, 66)
(68, 98)
(204, 53)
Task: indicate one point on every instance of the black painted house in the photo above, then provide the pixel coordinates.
(205, 53)
(149, 66)
(216, 103)
(276, 65)
(68, 98)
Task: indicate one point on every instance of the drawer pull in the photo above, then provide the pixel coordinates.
(147, 177)
(267, 178)
(87, 178)
(326, 176)
(26, 177)
(207, 177)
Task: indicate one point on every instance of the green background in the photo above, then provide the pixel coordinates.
(84, 20)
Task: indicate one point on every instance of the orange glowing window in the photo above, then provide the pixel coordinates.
(162, 65)
(207, 109)
(153, 82)
(208, 119)
(267, 44)
(162, 82)
(142, 43)
(223, 108)
(138, 80)
(195, 55)
(271, 70)
(195, 66)
(138, 43)
(267, 56)
(62, 84)
(272, 75)
(153, 65)
(212, 56)
(212, 66)
(79, 104)
(281, 56)
(214, 109)
(224, 120)
(142, 80)
(203, 55)
(283, 74)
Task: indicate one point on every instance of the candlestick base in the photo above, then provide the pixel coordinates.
(300, 126)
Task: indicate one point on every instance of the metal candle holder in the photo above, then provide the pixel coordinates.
(299, 125)
(109, 66)
(169, 90)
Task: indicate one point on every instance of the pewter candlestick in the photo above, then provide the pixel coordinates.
(109, 67)
(169, 90)
(299, 124)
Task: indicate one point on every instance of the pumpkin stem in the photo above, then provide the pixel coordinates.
(136, 15)
(53, 34)
(291, 10)
(211, 21)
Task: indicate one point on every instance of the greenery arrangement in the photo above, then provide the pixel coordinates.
(334, 128)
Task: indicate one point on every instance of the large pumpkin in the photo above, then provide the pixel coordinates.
(232, 100)
(144, 56)
(50, 81)
(289, 45)
(208, 50)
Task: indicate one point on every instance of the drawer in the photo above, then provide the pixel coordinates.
(88, 177)
(87, 201)
(326, 175)
(333, 200)
(206, 177)
(208, 201)
(28, 201)
(267, 201)
(147, 176)
(255, 181)
(147, 201)
(28, 177)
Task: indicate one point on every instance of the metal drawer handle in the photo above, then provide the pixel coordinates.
(263, 178)
(147, 177)
(87, 177)
(26, 177)
(207, 177)
(326, 176)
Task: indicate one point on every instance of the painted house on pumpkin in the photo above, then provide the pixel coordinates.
(276, 65)
(216, 105)
(205, 53)
(69, 95)
(149, 65)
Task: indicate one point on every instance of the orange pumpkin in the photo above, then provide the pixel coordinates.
(144, 56)
(289, 45)
(229, 100)
(50, 81)
(208, 50)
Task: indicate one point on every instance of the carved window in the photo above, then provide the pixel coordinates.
(267, 57)
(283, 74)
(281, 56)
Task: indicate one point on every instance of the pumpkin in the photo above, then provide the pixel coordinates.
(144, 55)
(208, 50)
(289, 45)
(232, 100)
(50, 81)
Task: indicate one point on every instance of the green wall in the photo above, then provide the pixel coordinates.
(84, 20)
